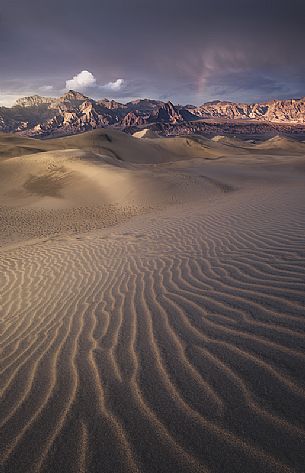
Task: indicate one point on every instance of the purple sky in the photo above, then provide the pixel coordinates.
(187, 51)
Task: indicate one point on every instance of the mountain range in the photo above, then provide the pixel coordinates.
(74, 112)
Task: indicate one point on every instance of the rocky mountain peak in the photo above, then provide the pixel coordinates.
(168, 113)
(74, 112)
(110, 104)
(275, 111)
(33, 100)
(72, 95)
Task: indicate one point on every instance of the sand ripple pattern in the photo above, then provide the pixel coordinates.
(173, 344)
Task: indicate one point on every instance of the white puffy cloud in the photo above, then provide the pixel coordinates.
(116, 85)
(86, 79)
(81, 81)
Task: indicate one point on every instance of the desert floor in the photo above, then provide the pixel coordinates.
(152, 305)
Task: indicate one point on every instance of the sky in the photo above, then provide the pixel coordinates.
(187, 51)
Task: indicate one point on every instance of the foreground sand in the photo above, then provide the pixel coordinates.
(174, 342)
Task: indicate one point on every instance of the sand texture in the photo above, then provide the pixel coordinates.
(172, 341)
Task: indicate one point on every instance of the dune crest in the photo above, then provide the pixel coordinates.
(145, 133)
(169, 342)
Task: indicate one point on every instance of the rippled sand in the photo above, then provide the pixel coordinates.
(174, 342)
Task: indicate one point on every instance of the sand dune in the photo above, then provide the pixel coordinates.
(145, 133)
(173, 342)
(12, 145)
(93, 180)
(282, 145)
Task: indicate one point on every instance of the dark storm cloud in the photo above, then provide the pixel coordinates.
(190, 51)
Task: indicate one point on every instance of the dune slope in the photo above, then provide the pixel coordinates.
(174, 342)
(92, 180)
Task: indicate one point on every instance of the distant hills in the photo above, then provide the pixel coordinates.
(74, 113)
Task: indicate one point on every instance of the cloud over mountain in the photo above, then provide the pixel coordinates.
(81, 81)
(115, 86)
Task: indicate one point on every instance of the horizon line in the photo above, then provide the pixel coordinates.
(20, 97)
